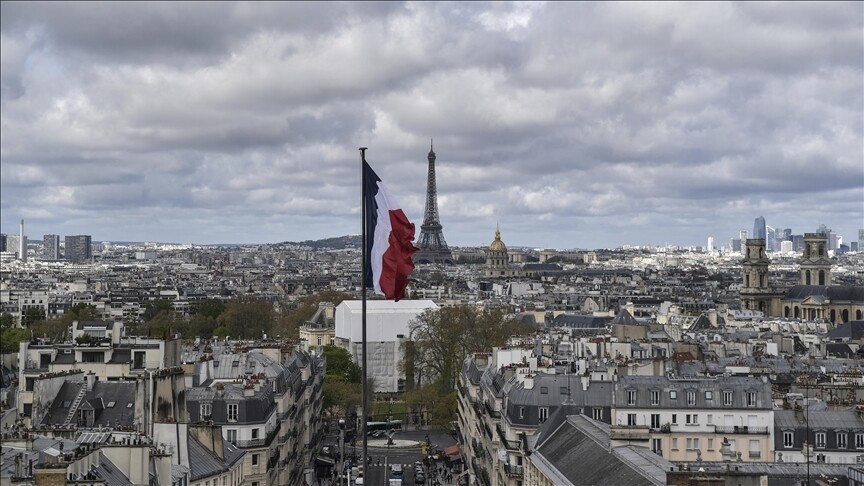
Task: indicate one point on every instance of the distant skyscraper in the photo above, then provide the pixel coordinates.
(78, 248)
(742, 235)
(2, 241)
(51, 247)
(787, 234)
(736, 244)
(770, 238)
(22, 243)
(861, 238)
(12, 245)
(710, 244)
(759, 228)
(431, 244)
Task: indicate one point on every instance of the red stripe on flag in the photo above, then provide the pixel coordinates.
(397, 264)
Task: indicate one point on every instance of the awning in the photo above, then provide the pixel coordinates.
(452, 450)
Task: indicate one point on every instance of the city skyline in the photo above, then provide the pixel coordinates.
(240, 123)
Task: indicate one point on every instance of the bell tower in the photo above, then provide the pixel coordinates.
(815, 264)
(755, 292)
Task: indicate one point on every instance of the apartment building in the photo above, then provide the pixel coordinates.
(688, 419)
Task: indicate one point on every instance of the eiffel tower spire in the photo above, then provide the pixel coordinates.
(433, 247)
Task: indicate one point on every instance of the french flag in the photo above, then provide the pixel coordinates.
(389, 237)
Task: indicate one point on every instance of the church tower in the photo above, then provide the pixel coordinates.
(815, 264)
(755, 291)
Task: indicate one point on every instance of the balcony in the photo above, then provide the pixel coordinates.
(248, 443)
(514, 471)
(735, 429)
(491, 411)
(512, 445)
(633, 432)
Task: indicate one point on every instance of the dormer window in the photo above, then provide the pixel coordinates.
(751, 398)
(655, 397)
(631, 397)
(691, 398)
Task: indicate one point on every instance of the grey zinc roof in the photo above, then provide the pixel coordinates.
(625, 318)
(836, 293)
(59, 408)
(203, 463)
(596, 465)
(848, 330)
(824, 419)
(110, 473)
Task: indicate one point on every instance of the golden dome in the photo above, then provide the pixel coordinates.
(497, 245)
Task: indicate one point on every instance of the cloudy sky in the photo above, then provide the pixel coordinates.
(579, 125)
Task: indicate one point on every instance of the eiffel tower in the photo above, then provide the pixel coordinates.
(432, 246)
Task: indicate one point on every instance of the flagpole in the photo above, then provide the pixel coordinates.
(364, 398)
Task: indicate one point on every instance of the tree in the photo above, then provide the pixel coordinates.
(32, 315)
(444, 337)
(10, 337)
(156, 307)
(339, 363)
(6, 320)
(210, 308)
(247, 317)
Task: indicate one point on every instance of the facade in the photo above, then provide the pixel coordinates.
(51, 247)
(689, 419)
(273, 412)
(78, 249)
(319, 330)
(508, 395)
(828, 437)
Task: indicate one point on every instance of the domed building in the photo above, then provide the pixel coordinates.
(498, 260)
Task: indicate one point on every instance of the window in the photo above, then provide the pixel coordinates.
(655, 397)
(710, 420)
(320, 340)
(820, 440)
(691, 397)
(710, 444)
(521, 412)
(544, 390)
(631, 397)
(655, 420)
(673, 395)
(788, 439)
(859, 441)
(692, 443)
(597, 413)
(232, 412)
(255, 433)
(564, 390)
(691, 419)
(709, 395)
(842, 440)
(206, 411)
(657, 446)
(751, 399)
(254, 459)
(754, 448)
(727, 398)
(674, 443)
(544, 414)
(631, 419)
(232, 436)
(674, 418)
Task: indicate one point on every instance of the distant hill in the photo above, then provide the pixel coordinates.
(337, 243)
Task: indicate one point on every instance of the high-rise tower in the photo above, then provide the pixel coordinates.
(432, 246)
(759, 232)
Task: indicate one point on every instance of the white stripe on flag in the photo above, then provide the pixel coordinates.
(381, 241)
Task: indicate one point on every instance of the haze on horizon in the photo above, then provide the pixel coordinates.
(584, 125)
